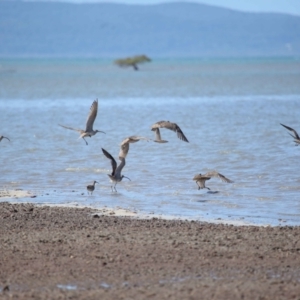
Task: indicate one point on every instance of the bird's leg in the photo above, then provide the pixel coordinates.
(85, 141)
(111, 188)
(115, 188)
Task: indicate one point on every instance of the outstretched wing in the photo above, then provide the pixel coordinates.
(112, 161)
(120, 166)
(293, 130)
(133, 139)
(157, 134)
(171, 126)
(123, 150)
(3, 137)
(218, 175)
(197, 177)
(92, 116)
(125, 144)
(75, 129)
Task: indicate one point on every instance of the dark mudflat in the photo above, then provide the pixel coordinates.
(59, 253)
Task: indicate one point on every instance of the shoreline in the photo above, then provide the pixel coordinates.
(19, 194)
(52, 252)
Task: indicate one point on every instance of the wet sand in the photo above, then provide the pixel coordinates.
(77, 253)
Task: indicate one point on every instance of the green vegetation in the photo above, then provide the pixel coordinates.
(132, 61)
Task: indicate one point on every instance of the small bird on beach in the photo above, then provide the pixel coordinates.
(201, 178)
(115, 175)
(3, 137)
(89, 131)
(168, 125)
(90, 188)
(295, 136)
(125, 144)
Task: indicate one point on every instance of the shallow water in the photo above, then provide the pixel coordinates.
(229, 110)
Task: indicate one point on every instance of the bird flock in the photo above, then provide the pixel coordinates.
(116, 175)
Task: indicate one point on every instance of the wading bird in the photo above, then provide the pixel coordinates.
(89, 131)
(90, 188)
(201, 178)
(115, 175)
(125, 144)
(3, 137)
(166, 124)
(295, 136)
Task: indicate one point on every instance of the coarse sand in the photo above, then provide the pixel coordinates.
(49, 252)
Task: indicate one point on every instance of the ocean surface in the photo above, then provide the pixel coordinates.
(229, 109)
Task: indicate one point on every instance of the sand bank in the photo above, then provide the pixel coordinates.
(60, 252)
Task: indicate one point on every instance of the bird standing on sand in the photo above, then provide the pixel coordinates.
(89, 131)
(125, 144)
(3, 137)
(90, 188)
(166, 124)
(295, 136)
(115, 175)
(200, 179)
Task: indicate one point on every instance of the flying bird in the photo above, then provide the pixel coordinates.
(201, 179)
(89, 131)
(125, 144)
(168, 125)
(3, 137)
(90, 188)
(115, 175)
(295, 136)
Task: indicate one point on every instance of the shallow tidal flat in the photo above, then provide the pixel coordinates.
(59, 252)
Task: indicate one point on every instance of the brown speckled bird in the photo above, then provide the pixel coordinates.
(201, 178)
(168, 125)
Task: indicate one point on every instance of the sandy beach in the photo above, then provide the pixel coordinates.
(79, 253)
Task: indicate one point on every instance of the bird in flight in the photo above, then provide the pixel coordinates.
(3, 137)
(168, 125)
(115, 175)
(125, 144)
(201, 179)
(89, 131)
(295, 136)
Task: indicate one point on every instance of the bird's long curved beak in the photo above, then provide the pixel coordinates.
(127, 177)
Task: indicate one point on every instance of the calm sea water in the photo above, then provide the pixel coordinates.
(230, 110)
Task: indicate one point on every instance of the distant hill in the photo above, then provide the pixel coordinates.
(118, 30)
